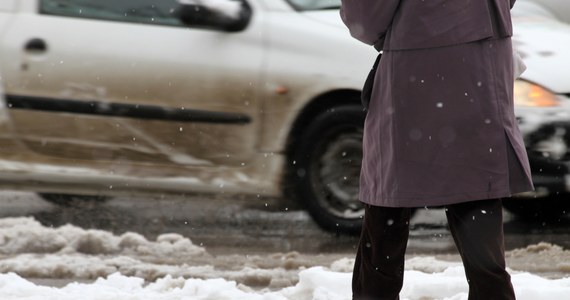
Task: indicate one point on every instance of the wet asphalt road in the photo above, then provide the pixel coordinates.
(249, 225)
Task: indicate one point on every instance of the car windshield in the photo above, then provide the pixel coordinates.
(315, 4)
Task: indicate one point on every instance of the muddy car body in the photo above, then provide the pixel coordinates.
(109, 98)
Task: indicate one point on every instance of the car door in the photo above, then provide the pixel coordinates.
(125, 82)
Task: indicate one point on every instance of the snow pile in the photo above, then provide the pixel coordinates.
(315, 283)
(33, 250)
(26, 235)
(542, 257)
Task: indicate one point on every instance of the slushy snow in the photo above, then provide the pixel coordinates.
(131, 267)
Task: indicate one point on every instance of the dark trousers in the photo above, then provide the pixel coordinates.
(477, 229)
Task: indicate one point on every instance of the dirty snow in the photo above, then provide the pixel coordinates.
(128, 266)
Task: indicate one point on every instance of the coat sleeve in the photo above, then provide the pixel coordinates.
(369, 20)
(513, 3)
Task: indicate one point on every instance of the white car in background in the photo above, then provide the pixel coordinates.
(106, 97)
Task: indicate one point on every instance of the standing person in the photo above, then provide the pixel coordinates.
(440, 131)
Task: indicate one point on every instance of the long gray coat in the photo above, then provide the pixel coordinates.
(440, 127)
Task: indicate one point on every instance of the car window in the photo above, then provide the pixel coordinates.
(157, 12)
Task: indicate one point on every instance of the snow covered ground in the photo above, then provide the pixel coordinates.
(101, 265)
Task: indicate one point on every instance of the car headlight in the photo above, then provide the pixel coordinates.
(530, 94)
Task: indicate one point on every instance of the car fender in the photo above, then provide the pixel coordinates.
(307, 58)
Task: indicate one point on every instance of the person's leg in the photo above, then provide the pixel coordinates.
(477, 228)
(379, 266)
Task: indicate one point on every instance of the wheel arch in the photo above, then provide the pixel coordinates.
(313, 108)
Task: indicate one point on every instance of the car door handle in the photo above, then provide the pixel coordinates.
(36, 45)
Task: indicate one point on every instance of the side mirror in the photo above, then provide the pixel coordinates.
(226, 15)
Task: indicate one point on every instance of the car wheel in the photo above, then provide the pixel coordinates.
(326, 168)
(550, 208)
(72, 200)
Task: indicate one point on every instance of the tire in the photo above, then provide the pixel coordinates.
(550, 208)
(72, 200)
(325, 168)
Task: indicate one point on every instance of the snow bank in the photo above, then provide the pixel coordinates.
(34, 251)
(315, 283)
(131, 267)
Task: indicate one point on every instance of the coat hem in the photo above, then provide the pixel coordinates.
(440, 200)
